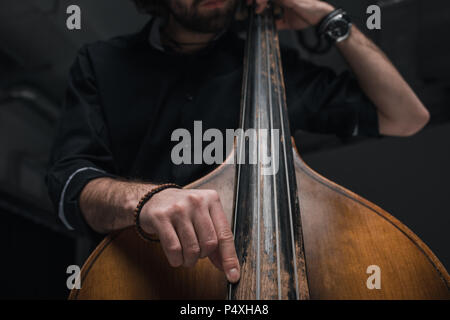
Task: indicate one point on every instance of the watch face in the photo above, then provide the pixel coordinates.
(338, 29)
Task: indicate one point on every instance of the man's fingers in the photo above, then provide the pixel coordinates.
(260, 5)
(225, 238)
(192, 224)
(206, 234)
(189, 242)
(281, 24)
(170, 244)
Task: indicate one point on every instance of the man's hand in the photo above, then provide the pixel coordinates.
(191, 224)
(400, 112)
(298, 14)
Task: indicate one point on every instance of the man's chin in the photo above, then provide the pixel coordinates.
(208, 19)
(213, 23)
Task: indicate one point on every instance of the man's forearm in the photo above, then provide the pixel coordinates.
(400, 112)
(107, 204)
(399, 109)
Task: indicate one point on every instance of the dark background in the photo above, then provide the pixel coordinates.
(407, 177)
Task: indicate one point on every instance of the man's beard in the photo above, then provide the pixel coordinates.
(192, 19)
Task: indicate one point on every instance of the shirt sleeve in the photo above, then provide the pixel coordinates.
(321, 101)
(81, 150)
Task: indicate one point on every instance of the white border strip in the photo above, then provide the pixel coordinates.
(356, 130)
(63, 193)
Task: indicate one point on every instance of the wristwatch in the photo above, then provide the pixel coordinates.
(336, 26)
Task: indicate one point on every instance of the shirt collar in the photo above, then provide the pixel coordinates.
(155, 34)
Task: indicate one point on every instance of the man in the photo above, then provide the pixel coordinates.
(127, 95)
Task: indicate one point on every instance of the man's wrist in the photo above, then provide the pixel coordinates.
(142, 202)
(327, 8)
(324, 9)
(313, 15)
(133, 192)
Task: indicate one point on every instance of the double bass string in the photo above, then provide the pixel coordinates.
(272, 143)
(240, 140)
(276, 52)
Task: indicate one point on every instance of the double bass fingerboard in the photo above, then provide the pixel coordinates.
(267, 223)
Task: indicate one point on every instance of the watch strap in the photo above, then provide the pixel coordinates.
(322, 27)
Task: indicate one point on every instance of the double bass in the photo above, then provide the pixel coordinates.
(297, 234)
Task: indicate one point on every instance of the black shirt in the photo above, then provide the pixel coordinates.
(125, 98)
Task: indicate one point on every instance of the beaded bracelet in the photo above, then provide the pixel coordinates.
(142, 202)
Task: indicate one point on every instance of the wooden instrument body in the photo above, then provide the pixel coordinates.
(343, 235)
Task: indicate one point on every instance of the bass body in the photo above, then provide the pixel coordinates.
(343, 235)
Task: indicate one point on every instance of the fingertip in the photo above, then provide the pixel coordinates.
(280, 25)
(174, 263)
(233, 275)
